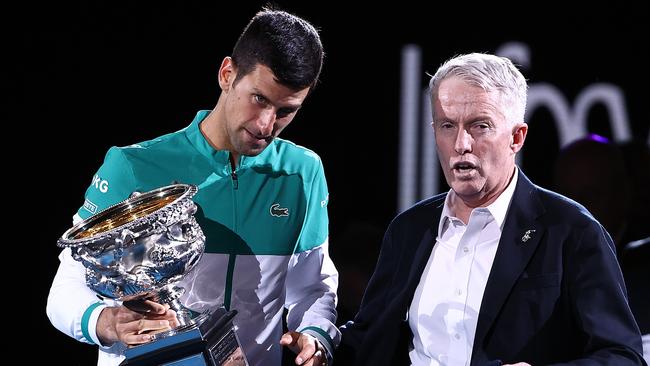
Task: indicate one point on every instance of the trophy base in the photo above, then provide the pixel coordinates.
(210, 343)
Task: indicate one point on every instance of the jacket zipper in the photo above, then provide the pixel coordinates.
(230, 271)
(235, 182)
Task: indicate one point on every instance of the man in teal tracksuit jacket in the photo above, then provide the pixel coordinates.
(262, 203)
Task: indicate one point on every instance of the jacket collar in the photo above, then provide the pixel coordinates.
(219, 158)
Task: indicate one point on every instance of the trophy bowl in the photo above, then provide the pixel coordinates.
(141, 247)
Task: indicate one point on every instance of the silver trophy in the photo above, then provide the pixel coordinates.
(141, 248)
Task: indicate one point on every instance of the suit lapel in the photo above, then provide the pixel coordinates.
(415, 261)
(520, 237)
(422, 254)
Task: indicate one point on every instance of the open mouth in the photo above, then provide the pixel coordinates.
(463, 166)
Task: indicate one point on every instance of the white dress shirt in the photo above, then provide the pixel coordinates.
(445, 307)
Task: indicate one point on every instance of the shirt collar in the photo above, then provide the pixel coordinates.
(498, 209)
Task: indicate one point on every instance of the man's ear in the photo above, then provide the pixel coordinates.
(227, 74)
(518, 137)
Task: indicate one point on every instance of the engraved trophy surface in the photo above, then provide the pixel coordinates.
(141, 248)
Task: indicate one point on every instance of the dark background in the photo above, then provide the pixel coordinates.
(97, 74)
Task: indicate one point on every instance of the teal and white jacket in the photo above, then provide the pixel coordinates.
(266, 228)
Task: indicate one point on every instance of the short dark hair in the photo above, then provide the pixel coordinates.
(288, 45)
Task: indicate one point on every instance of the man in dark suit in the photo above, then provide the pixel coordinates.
(497, 270)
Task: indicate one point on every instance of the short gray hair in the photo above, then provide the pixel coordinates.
(492, 74)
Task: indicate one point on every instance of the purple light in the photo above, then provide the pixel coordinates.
(598, 138)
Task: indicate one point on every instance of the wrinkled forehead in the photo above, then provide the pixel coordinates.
(456, 91)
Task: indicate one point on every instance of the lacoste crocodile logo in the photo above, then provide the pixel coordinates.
(278, 211)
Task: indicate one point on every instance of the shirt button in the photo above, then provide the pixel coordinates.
(465, 249)
(457, 336)
(459, 292)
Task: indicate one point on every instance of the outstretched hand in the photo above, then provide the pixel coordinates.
(309, 350)
(134, 322)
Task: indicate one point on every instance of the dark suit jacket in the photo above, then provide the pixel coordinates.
(557, 297)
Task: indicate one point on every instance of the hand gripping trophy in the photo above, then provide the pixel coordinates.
(141, 248)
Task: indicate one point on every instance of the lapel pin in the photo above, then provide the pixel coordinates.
(527, 235)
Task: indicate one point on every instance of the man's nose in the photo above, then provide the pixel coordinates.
(266, 121)
(463, 142)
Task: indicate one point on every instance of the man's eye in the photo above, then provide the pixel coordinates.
(284, 112)
(259, 99)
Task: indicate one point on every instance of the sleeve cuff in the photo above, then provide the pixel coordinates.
(324, 339)
(89, 322)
